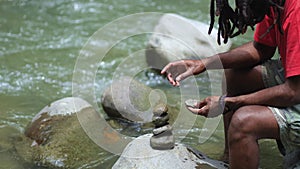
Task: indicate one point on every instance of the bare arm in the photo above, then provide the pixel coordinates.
(284, 95)
(247, 55)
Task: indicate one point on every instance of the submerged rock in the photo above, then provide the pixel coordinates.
(55, 138)
(139, 154)
(176, 38)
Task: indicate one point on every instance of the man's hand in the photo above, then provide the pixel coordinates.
(209, 107)
(179, 70)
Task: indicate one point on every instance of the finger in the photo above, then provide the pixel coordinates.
(201, 104)
(167, 67)
(202, 111)
(183, 76)
(193, 110)
(196, 111)
(177, 84)
(163, 71)
(171, 80)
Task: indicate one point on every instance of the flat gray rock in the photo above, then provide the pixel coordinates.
(162, 129)
(139, 155)
(160, 109)
(160, 121)
(191, 103)
(163, 141)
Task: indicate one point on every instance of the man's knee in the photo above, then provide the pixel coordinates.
(241, 125)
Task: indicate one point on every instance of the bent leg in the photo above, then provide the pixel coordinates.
(239, 82)
(243, 81)
(248, 125)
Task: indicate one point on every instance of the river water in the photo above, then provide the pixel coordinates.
(41, 42)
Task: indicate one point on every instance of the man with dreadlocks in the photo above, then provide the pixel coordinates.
(262, 97)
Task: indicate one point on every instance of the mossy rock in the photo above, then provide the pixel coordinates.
(59, 141)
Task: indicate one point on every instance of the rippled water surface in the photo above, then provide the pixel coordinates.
(40, 42)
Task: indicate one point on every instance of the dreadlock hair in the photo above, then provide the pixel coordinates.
(227, 19)
(247, 13)
(278, 9)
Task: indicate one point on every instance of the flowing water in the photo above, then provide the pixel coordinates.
(41, 41)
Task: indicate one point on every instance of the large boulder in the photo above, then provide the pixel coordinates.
(56, 139)
(42, 124)
(131, 100)
(176, 38)
(139, 154)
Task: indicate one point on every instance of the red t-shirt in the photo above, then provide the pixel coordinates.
(289, 43)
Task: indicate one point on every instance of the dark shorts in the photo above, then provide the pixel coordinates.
(288, 118)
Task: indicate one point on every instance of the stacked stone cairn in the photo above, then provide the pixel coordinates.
(162, 138)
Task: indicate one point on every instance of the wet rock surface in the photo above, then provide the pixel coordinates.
(41, 126)
(55, 138)
(139, 154)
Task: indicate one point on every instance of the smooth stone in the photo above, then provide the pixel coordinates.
(176, 38)
(191, 103)
(129, 99)
(162, 129)
(139, 154)
(160, 109)
(160, 121)
(163, 141)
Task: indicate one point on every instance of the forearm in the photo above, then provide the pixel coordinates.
(283, 95)
(247, 55)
